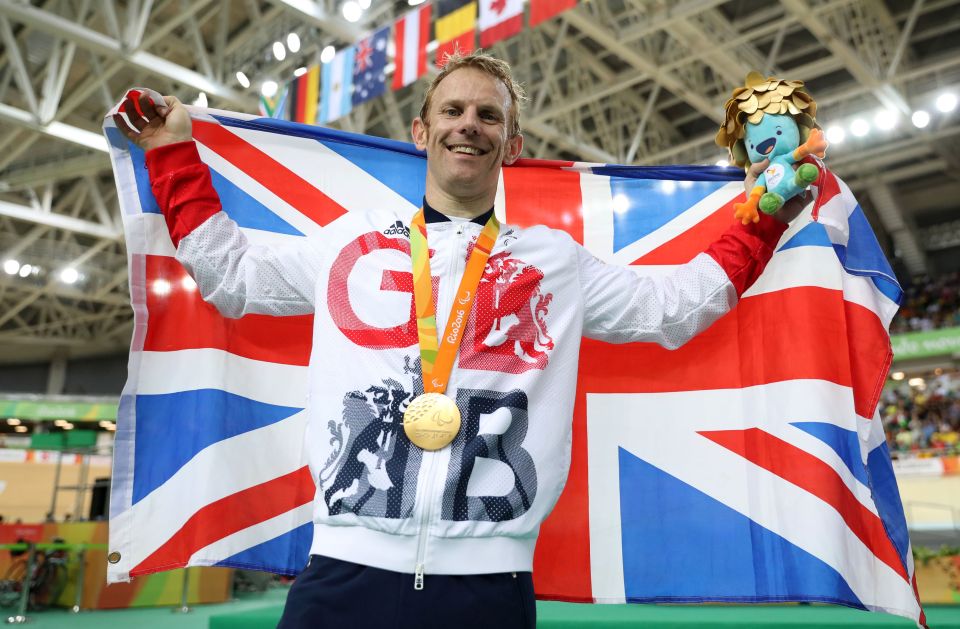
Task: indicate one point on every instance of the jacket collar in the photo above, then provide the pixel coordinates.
(431, 215)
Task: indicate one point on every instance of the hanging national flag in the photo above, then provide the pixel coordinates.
(499, 19)
(456, 28)
(369, 79)
(276, 105)
(748, 465)
(304, 96)
(336, 99)
(411, 34)
(541, 10)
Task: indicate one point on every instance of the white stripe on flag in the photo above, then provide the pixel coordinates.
(194, 369)
(411, 46)
(252, 458)
(249, 537)
(148, 234)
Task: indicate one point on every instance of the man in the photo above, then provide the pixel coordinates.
(435, 468)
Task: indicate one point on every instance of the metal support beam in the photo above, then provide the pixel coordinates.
(68, 223)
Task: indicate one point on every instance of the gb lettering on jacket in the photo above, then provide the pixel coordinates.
(507, 330)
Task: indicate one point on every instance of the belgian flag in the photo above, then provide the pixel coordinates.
(304, 96)
(456, 28)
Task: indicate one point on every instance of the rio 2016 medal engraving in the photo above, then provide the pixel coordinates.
(431, 421)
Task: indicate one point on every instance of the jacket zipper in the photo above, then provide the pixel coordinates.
(427, 514)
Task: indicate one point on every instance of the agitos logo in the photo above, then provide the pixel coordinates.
(507, 330)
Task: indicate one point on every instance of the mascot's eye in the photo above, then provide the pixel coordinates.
(751, 146)
(779, 132)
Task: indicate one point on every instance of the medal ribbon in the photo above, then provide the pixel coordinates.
(436, 358)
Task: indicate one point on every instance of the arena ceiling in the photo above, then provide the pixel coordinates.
(626, 81)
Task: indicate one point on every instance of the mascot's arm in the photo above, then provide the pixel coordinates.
(816, 144)
(747, 211)
(237, 277)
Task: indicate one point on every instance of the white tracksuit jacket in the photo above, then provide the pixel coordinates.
(476, 505)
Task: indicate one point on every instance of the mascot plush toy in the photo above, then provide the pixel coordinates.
(775, 120)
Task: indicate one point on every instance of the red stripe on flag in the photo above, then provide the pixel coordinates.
(561, 562)
(695, 240)
(425, 14)
(816, 477)
(228, 515)
(270, 173)
(537, 193)
(541, 10)
(501, 31)
(400, 59)
(870, 357)
(178, 318)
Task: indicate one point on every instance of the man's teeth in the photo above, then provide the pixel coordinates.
(469, 150)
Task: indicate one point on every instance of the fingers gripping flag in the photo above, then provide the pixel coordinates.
(747, 466)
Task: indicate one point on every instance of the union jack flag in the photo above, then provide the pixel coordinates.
(747, 466)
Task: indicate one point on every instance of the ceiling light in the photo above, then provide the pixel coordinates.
(60, 422)
(364, 4)
(722, 162)
(13, 421)
(68, 426)
(25, 270)
(947, 102)
(621, 203)
(105, 423)
(897, 375)
(161, 287)
(351, 11)
(269, 88)
(69, 275)
(885, 120)
(859, 127)
(836, 134)
(279, 51)
(300, 71)
(21, 429)
(201, 100)
(10, 267)
(920, 119)
(915, 382)
(243, 80)
(293, 42)
(328, 54)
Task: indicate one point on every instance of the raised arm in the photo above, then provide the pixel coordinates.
(234, 275)
(621, 306)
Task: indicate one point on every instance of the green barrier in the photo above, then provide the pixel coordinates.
(944, 342)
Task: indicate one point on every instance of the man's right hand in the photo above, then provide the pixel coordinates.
(154, 126)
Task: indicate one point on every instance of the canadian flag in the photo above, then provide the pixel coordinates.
(499, 19)
(412, 34)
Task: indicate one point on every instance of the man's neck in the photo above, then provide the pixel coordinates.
(459, 207)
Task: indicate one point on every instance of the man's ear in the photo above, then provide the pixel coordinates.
(418, 131)
(514, 148)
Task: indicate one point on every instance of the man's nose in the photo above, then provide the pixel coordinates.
(470, 122)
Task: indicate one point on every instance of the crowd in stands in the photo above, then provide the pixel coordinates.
(923, 418)
(929, 304)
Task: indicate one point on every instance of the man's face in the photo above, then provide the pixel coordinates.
(466, 135)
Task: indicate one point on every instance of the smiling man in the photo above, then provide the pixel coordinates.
(436, 455)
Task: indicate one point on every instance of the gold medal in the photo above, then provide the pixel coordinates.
(431, 421)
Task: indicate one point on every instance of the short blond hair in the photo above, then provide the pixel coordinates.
(488, 64)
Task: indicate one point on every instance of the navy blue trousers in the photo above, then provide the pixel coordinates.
(333, 593)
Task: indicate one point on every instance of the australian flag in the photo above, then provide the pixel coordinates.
(369, 78)
(747, 466)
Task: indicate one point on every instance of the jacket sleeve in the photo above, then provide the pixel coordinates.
(621, 306)
(234, 275)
